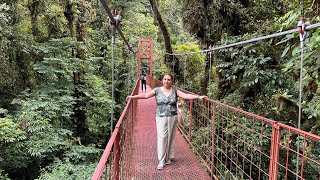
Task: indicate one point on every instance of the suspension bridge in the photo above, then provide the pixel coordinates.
(215, 141)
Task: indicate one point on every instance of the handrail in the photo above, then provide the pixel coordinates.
(101, 165)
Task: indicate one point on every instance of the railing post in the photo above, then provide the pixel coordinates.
(116, 151)
(274, 151)
(190, 124)
(213, 121)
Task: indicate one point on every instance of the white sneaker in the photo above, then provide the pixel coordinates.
(168, 162)
(161, 165)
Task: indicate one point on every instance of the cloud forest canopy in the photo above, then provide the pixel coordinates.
(55, 79)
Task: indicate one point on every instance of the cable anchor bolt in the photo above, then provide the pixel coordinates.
(301, 29)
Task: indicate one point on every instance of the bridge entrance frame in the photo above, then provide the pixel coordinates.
(145, 52)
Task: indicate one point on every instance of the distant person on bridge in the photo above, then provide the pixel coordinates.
(143, 81)
(166, 117)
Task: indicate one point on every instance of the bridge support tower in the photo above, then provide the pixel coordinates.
(145, 52)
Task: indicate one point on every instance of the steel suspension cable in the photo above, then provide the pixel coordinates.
(251, 40)
(300, 100)
(210, 56)
(112, 89)
(184, 73)
(302, 36)
(173, 59)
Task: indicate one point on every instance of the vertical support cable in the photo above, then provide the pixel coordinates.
(300, 108)
(302, 37)
(173, 58)
(300, 84)
(129, 71)
(185, 67)
(190, 117)
(137, 66)
(210, 56)
(113, 28)
(115, 22)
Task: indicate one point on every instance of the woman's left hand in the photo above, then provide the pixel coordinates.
(202, 97)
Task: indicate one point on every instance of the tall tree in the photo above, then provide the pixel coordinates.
(166, 36)
(213, 21)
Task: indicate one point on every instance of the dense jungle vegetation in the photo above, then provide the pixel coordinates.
(55, 72)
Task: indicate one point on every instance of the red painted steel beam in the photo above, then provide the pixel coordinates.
(104, 158)
(145, 52)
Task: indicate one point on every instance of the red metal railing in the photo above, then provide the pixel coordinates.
(231, 143)
(235, 144)
(297, 154)
(117, 152)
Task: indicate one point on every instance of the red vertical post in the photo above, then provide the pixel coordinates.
(190, 118)
(139, 56)
(274, 151)
(151, 58)
(273, 136)
(139, 64)
(116, 151)
(213, 121)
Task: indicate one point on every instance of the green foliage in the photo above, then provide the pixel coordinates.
(9, 132)
(82, 154)
(34, 118)
(138, 23)
(9, 72)
(3, 175)
(310, 79)
(313, 107)
(234, 99)
(61, 60)
(191, 66)
(67, 170)
(197, 137)
(31, 135)
(3, 112)
(99, 103)
(78, 162)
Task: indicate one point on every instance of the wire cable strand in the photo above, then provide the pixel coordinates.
(250, 40)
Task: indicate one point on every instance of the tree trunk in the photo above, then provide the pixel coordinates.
(33, 7)
(205, 80)
(168, 59)
(77, 29)
(70, 18)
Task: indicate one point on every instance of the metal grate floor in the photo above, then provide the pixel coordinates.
(143, 162)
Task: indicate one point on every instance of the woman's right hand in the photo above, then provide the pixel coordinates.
(128, 97)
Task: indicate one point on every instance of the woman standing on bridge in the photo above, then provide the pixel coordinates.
(166, 117)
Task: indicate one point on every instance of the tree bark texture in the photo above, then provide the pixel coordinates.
(168, 60)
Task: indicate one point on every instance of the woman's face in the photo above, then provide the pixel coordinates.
(166, 81)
